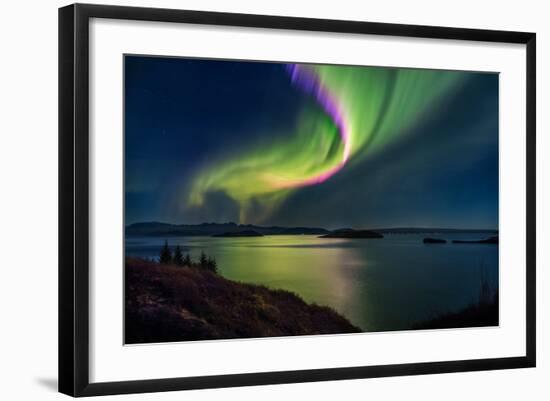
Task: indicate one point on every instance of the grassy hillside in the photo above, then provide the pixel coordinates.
(173, 303)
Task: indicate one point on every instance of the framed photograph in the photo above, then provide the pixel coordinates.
(250, 199)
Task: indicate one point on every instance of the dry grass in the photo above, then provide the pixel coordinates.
(171, 303)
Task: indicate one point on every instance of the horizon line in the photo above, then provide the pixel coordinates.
(393, 227)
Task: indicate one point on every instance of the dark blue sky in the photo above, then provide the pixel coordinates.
(181, 112)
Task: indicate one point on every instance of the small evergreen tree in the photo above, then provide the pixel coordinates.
(165, 254)
(212, 265)
(203, 261)
(187, 260)
(178, 256)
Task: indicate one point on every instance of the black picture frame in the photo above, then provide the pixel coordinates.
(74, 198)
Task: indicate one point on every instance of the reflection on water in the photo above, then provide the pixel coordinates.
(378, 284)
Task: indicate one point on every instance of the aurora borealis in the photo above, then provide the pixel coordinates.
(301, 144)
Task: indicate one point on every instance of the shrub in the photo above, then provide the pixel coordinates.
(203, 261)
(165, 254)
(187, 260)
(212, 265)
(178, 256)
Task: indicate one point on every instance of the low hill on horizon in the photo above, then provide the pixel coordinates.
(210, 229)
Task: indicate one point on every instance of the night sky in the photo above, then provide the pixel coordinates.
(303, 145)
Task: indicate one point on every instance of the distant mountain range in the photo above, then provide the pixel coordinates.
(165, 229)
(224, 229)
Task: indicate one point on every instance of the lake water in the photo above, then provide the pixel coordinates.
(378, 284)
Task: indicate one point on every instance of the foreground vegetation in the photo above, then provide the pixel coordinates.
(169, 302)
(482, 313)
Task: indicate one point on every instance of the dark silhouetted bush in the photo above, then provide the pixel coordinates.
(178, 256)
(187, 260)
(212, 265)
(165, 254)
(203, 261)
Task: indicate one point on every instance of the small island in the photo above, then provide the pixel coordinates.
(245, 233)
(490, 240)
(349, 233)
(434, 241)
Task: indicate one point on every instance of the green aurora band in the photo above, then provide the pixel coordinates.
(360, 110)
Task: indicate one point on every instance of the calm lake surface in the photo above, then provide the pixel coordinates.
(378, 284)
